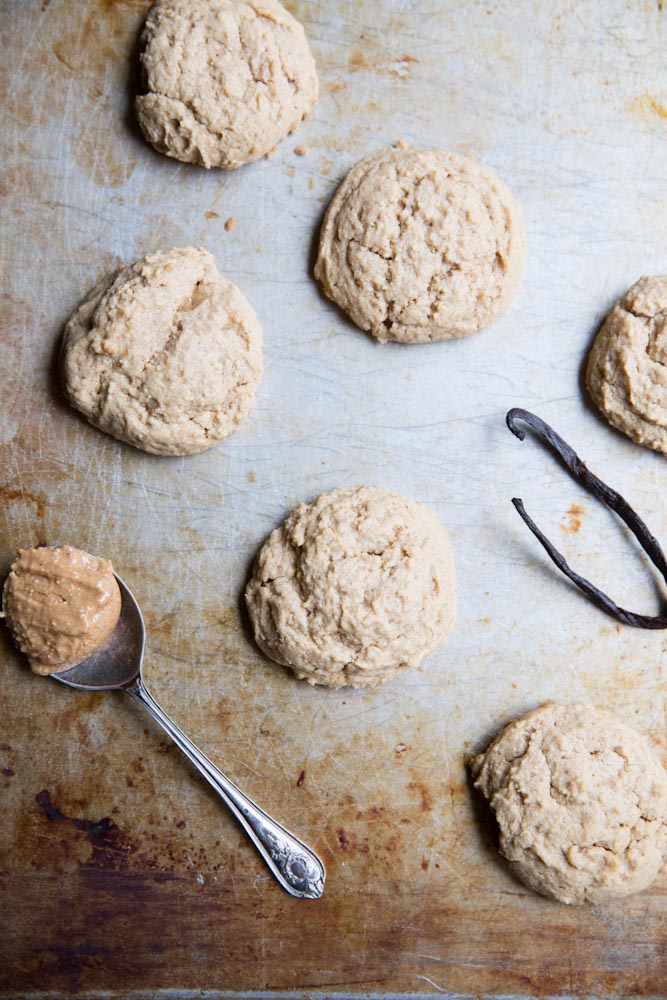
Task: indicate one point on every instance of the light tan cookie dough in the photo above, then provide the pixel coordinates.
(419, 246)
(581, 803)
(225, 80)
(627, 366)
(353, 588)
(61, 604)
(166, 356)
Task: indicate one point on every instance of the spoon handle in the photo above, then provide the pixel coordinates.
(298, 870)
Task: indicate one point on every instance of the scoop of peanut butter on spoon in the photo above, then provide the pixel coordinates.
(61, 604)
(78, 622)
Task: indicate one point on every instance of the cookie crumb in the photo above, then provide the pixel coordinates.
(269, 15)
(229, 224)
(400, 144)
(301, 150)
(211, 215)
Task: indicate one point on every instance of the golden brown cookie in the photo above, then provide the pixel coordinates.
(419, 246)
(353, 588)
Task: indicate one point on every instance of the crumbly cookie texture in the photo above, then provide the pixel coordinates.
(419, 246)
(166, 356)
(627, 365)
(224, 80)
(61, 604)
(353, 588)
(581, 803)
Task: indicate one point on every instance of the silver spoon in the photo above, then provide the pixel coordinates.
(117, 666)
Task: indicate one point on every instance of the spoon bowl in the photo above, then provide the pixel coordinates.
(116, 665)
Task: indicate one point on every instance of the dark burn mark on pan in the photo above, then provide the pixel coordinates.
(343, 840)
(111, 846)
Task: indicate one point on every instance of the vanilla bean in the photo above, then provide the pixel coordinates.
(610, 498)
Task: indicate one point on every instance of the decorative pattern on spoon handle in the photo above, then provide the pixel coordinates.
(298, 865)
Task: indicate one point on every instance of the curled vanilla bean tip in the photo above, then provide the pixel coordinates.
(511, 418)
(607, 496)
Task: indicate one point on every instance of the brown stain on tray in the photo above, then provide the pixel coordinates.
(10, 494)
(100, 51)
(110, 845)
(95, 150)
(380, 63)
(39, 500)
(574, 515)
(649, 108)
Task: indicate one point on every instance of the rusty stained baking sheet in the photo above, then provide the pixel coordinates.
(120, 874)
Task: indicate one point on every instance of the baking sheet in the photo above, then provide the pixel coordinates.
(120, 874)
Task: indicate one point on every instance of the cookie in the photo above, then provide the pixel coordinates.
(224, 80)
(61, 604)
(166, 356)
(420, 246)
(353, 588)
(627, 365)
(581, 803)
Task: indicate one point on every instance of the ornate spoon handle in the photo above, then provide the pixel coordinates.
(298, 870)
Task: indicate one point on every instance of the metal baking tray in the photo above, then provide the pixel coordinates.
(121, 876)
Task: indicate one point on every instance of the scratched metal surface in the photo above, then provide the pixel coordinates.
(120, 875)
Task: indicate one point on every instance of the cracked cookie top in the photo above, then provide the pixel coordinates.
(166, 355)
(224, 80)
(581, 803)
(419, 246)
(353, 588)
(627, 365)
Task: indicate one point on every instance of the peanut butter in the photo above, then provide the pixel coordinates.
(61, 604)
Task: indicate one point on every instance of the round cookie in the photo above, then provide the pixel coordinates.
(225, 80)
(353, 588)
(581, 803)
(166, 356)
(627, 365)
(420, 246)
(61, 604)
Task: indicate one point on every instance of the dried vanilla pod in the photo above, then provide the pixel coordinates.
(610, 498)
